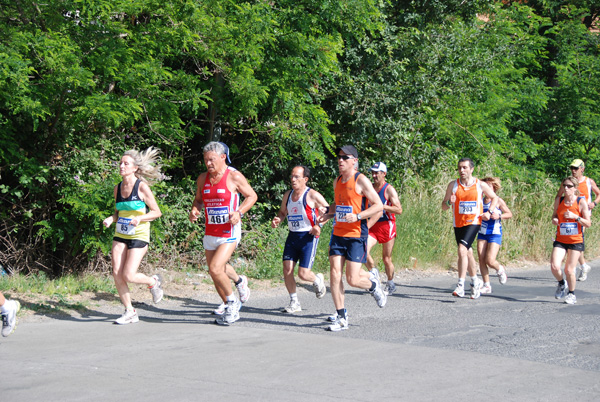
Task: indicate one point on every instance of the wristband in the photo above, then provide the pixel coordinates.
(448, 203)
(320, 225)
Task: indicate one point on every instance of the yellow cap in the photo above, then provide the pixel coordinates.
(577, 163)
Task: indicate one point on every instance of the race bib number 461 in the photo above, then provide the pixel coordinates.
(467, 207)
(341, 211)
(217, 215)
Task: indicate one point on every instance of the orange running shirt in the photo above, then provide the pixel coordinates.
(585, 188)
(569, 231)
(468, 207)
(348, 201)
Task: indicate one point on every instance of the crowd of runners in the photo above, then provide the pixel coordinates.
(363, 214)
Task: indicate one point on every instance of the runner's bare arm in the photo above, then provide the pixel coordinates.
(282, 211)
(242, 186)
(148, 197)
(392, 195)
(197, 203)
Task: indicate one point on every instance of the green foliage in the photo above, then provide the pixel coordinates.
(417, 84)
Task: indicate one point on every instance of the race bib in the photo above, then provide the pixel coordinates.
(125, 227)
(217, 215)
(467, 207)
(294, 221)
(341, 211)
(568, 228)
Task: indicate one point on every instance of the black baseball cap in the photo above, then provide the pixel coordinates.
(348, 150)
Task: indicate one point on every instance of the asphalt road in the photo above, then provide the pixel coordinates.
(518, 344)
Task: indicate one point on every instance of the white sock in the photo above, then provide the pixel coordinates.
(230, 298)
(473, 279)
(294, 296)
(486, 284)
(461, 282)
(4, 308)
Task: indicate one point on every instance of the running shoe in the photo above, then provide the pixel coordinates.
(560, 291)
(374, 275)
(571, 299)
(584, 271)
(9, 319)
(390, 287)
(459, 291)
(339, 324)
(220, 310)
(232, 313)
(502, 278)
(378, 295)
(486, 289)
(128, 317)
(293, 307)
(335, 316)
(156, 290)
(319, 286)
(243, 289)
(476, 288)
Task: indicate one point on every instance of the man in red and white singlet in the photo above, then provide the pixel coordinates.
(348, 244)
(465, 196)
(383, 231)
(217, 193)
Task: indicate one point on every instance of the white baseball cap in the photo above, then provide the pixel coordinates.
(379, 167)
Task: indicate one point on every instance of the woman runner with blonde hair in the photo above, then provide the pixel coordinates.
(132, 233)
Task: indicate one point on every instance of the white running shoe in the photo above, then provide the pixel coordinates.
(243, 289)
(459, 291)
(378, 295)
(156, 290)
(584, 271)
(502, 278)
(486, 289)
(571, 299)
(561, 290)
(319, 286)
(335, 316)
(293, 307)
(339, 324)
(9, 319)
(220, 310)
(374, 275)
(128, 317)
(476, 288)
(232, 313)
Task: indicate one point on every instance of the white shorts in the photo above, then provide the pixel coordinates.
(213, 242)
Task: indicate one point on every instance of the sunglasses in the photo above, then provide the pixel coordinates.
(345, 157)
(568, 186)
(574, 168)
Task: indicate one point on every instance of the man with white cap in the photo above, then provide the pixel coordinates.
(383, 230)
(587, 186)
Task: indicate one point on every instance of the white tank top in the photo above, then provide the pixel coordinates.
(300, 217)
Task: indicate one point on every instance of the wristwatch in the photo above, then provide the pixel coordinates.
(241, 215)
(358, 218)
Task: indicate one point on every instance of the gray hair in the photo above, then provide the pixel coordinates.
(214, 146)
(146, 162)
